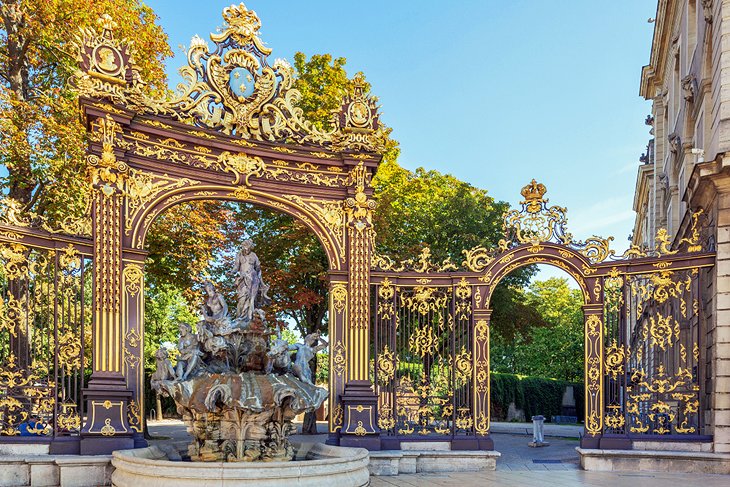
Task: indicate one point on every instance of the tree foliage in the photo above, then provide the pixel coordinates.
(551, 346)
(41, 135)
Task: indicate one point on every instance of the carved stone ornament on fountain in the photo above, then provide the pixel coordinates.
(234, 383)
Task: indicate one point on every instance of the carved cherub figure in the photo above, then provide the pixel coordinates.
(164, 370)
(306, 351)
(278, 357)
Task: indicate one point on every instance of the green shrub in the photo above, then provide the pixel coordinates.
(533, 395)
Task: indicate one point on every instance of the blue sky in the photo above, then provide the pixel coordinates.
(494, 92)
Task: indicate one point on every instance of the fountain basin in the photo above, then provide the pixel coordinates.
(316, 465)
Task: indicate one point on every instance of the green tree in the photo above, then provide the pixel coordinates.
(551, 346)
(165, 307)
(42, 139)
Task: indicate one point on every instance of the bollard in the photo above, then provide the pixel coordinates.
(538, 436)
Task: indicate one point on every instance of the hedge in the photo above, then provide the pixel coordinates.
(533, 395)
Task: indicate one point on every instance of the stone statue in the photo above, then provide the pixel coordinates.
(306, 351)
(278, 357)
(215, 309)
(164, 371)
(248, 281)
(215, 324)
(190, 352)
(233, 386)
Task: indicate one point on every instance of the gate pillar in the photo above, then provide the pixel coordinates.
(107, 397)
(359, 253)
(339, 307)
(350, 307)
(481, 378)
(593, 378)
(133, 340)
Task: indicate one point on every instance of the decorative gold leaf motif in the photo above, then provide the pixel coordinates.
(133, 279)
(232, 89)
(664, 331)
(386, 365)
(423, 341)
(463, 365)
(339, 296)
(424, 299)
(339, 363)
(615, 358)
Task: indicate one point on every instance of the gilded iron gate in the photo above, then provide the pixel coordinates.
(653, 352)
(643, 315)
(418, 329)
(423, 346)
(45, 333)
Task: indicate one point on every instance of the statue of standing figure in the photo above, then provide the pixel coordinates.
(306, 351)
(250, 286)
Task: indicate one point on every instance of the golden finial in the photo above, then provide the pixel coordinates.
(107, 22)
(243, 26)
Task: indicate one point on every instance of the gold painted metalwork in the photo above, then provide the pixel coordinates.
(386, 420)
(12, 213)
(108, 429)
(230, 89)
(536, 222)
(423, 341)
(424, 299)
(615, 359)
(338, 358)
(386, 365)
(386, 292)
(463, 365)
(242, 166)
(339, 296)
(664, 242)
(463, 295)
(664, 331)
(614, 419)
(423, 264)
(134, 416)
(693, 241)
(477, 258)
(133, 278)
(593, 376)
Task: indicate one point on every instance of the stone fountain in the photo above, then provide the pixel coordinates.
(234, 383)
(238, 389)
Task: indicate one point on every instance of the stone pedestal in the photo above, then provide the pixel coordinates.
(360, 405)
(106, 428)
(538, 434)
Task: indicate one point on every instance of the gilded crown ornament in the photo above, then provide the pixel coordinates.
(533, 194)
(230, 88)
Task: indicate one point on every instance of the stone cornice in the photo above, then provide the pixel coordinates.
(652, 75)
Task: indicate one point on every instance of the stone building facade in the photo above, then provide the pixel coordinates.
(687, 167)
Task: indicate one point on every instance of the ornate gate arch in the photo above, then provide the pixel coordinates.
(235, 132)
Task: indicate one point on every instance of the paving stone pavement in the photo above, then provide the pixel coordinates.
(560, 455)
(553, 478)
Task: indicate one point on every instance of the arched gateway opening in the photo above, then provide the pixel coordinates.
(297, 307)
(409, 341)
